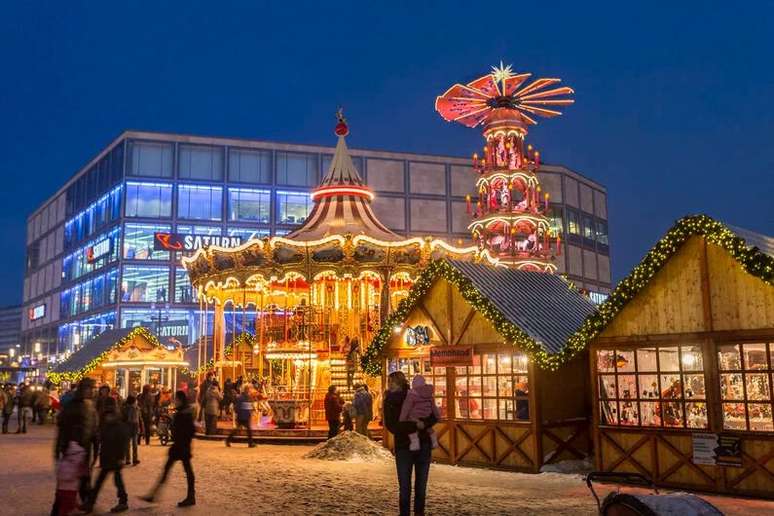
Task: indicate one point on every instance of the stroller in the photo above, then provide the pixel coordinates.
(163, 427)
(617, 503)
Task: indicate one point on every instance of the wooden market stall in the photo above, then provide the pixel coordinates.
(682, 358)
(511, 392)
(125, 358)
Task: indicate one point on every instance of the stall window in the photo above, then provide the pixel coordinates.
(745, 386)
(495, 387)
(199, 202)
(148, 200)
(433, 375)
(139, 240)
(654, 386)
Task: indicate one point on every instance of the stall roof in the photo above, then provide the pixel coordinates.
(98, 345)
(535, 310)
(542, 305)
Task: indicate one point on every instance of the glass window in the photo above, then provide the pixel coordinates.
(199, 202)
(150, 159)
(196, 230)
(296, 169)
(249, 205)
(602, 232)
(249, 166)
(573, 225)
(148, 200)
(555, 219)
(588, 227)
(201, 162)
(183, 291)
(654, 386)
(745, 386)
(495, 387)
(139, 240)
(144, 284)
(292, 207)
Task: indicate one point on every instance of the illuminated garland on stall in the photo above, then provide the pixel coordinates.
(751, 260)
(371, 362)
(247, 339)
(73, 376)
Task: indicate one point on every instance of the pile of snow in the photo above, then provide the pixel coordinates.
(349, 446)
(569, 467)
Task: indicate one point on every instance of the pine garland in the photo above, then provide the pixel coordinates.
(73, 376)
(751, 260)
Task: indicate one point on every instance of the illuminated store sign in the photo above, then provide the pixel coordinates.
(417, 335)
(98, 250)
(177, 242)
(37, 312)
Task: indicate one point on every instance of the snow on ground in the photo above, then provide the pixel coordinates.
(278, 480)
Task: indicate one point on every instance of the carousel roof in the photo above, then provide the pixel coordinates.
(342, 202)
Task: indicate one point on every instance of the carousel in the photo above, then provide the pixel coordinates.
(293, 313)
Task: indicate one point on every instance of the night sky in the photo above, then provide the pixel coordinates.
(674, 109)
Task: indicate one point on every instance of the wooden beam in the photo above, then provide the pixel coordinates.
(435, 325)
(464, 326)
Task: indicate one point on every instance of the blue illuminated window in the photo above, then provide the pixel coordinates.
(138, 241)
(292, 207)
(144, 284)
(249, 205)
(248, 234)
(183, 290)
(199, 202)
(148, 200)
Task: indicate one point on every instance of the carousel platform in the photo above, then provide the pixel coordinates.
(271, 434)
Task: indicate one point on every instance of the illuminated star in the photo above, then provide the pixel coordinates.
(502, 72)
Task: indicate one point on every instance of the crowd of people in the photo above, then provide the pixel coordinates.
(31, 402)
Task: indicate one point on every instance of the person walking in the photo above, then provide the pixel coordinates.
(145, 405)
(25, 402)
(76, 433)
(203, 388)
(42, 404)
(113, 434)
(212, 400)
(244, 413)
(333, 406)
(364, 409)
(131, 416)
(9, 400)
(182, 435)
(407, 460)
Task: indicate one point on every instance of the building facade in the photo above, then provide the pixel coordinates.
(10, 331)
(93, 265)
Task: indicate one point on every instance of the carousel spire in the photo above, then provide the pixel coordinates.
(342, 202)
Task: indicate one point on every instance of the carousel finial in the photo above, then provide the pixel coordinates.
(341, 128)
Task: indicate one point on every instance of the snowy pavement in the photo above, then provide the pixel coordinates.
(276, 479)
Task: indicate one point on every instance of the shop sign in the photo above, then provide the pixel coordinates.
(37, 312)
(417, 335)
(717, 449)
(98, 250)
(178, 242)
(451, 356)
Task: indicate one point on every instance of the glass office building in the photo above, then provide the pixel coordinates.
(91, 260)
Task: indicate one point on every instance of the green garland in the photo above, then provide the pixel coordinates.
(247, 339)
(752, 260)
(73, 376)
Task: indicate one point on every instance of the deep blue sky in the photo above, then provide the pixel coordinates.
(674, 110)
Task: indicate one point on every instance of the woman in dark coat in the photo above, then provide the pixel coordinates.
(407, 460)
(182, 434)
